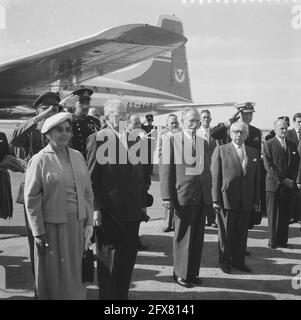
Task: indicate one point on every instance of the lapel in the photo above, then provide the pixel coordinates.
(234, 155)
(280, 149)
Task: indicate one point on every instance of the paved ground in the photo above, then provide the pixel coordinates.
(272, 275)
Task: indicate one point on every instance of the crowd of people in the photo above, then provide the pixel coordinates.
(83, 183)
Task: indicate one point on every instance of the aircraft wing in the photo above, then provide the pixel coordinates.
(72, 63)
(178, 106)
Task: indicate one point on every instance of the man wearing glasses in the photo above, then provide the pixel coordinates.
(235, 192)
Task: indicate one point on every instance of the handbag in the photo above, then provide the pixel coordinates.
(88, 266)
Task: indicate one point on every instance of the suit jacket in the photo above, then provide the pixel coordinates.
(119, 189)
(3, 146)
(253, 140)
(176, 182)
(45, 193)
(230, 186)
(292, 137)
(279, 164)
(212, 142)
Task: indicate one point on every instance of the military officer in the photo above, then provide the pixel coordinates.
(82, 124)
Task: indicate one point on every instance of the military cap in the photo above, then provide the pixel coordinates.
(55, 120)
(245, 107)
(84, 94)
(149, 117)
(48, 98)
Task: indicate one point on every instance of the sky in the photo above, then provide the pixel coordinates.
(237, 51)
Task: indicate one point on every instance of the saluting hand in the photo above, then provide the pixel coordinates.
(69, 101)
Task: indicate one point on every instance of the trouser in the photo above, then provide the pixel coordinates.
(116, 263)
(188, 241)
(31, 241)
(210, 214)
(232, 235)
(168, 222)
(278, 211)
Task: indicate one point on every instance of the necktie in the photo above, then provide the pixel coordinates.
(242, 157)
(283, 144)
(207, 135)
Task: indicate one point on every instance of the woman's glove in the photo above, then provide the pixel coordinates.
(88, 233)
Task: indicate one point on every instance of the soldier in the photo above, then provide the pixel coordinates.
(82, 124)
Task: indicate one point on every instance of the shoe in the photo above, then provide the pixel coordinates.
(182, 282)
(167, 229)
(225, 268)
(196, 280)
(247, 253)
(271, 246)
(214, 225)
(242, 267)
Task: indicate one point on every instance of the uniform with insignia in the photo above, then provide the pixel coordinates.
(82, 124)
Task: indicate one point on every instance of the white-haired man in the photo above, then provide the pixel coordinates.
(118, 187)
(235, 192)
(185, 179)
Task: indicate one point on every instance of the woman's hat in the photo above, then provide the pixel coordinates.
(55, 120)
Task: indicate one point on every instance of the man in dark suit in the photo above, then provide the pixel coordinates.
(186, 183)
(172, 127)
(281, 161)
(272, 133)
(245, 112)
(119, 207)
(205, 132)
(294, 135)
(235, 192)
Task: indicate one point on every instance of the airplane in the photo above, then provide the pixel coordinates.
(145, 66)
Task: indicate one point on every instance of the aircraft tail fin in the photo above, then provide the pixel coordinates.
(168, 72)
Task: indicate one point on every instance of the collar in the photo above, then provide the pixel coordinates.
(279, 139)
(50, 149)
(189, 137)
(236, 146)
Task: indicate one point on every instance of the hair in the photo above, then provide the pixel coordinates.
(297, 115)
(205, 111)
(170, 116)
(112, 103)
(278, 120)
(187, 110)
(241, 123)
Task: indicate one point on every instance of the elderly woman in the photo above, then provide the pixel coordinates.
(59, 205)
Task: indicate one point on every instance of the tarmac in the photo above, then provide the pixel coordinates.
(276, 274)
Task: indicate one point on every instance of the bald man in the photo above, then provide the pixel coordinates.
(281, 161)
(119, 201)
(235, 171)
